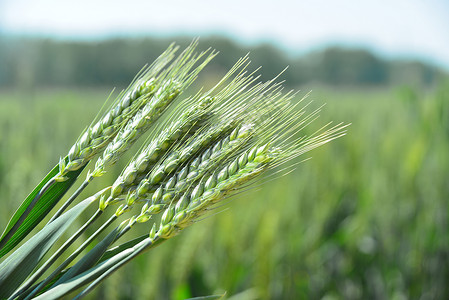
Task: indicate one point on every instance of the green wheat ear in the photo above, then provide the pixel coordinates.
(175, 80)
(97, 136)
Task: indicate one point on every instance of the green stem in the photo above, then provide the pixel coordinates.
(145, 244)
(55, 256)
(71, 199)
(122, 232)
(71, 257)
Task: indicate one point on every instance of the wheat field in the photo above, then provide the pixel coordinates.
(365, 217)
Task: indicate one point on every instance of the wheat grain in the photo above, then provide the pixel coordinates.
(205, 162)
(176, 159)
(216, 187)
(151, 154)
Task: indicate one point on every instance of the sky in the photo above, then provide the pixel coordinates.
(395, 28)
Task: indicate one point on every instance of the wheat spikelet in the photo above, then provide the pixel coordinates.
(205, 161)
(158, 199)
(175, 160)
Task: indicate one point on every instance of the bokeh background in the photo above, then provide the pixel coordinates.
(365, 218)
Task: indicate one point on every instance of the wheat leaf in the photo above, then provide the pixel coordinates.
(91, 258)
(18, 266)
(113, 251)
(41, 209)
(84, 278)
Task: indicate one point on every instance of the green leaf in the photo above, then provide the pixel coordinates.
(111, 252)
(107, 255)
(47, 286)
(96, 274)
(88, 276)
(91, 258)
(18, 266)
(42, 208)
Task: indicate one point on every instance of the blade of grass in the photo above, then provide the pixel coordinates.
(43, 206)
(49, 262)
(63, 289)
(113, 251)
(72, 198)
(71, 257)
(26, 212)
(133, 252)
(18, 266)
(91, 258)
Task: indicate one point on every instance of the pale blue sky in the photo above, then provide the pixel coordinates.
(413, 28)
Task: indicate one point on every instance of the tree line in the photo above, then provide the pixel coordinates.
(46, 62)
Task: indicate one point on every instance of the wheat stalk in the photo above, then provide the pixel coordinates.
(214, 145)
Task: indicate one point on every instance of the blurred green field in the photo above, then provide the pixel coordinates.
(365, 218)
